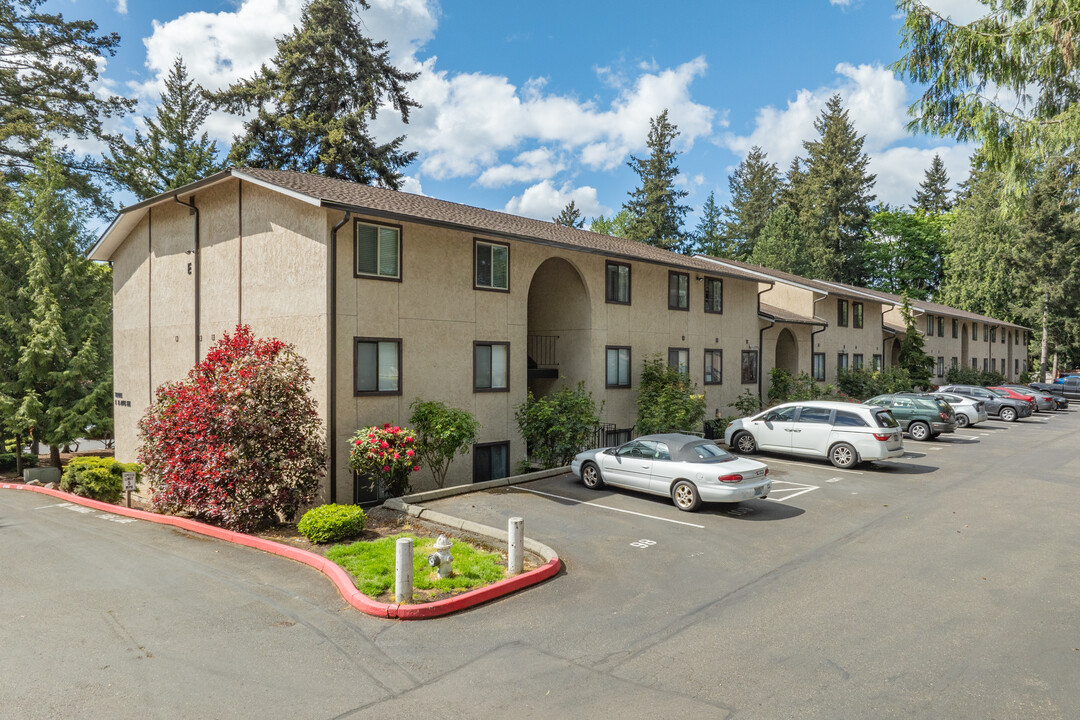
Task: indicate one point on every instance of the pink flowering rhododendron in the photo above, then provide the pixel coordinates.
(379, 456)
(239, 441)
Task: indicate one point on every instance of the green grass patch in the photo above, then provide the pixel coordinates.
(371, 565)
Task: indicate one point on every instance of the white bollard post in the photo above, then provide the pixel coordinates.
(403, 574)
(515, 558)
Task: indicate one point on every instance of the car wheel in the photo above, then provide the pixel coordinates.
(685, 496)
(590, 475)
(1007, 414)
(962, 421)
(919, 431)
(843, 455)
(745, 443)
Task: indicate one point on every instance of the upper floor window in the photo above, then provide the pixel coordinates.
(955, 328)
(974, 331)
(986, 332)
(941, 326)
(993, 334)
(841, 313)
(377, 251)
(714, 295)
(1002, 335)
(678, 295)
(930, 325)
(491, 366)
(377, 366)
(618, 283)
(857, 311)
(492, 266)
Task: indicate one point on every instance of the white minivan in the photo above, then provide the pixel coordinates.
(845, 433)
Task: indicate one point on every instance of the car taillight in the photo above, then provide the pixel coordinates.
(944, 416)
(882, 436)
(731, 478)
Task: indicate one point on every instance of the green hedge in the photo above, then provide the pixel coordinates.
(7, 461)
(330, 523)
(100, 478)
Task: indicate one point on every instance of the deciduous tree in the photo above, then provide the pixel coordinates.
(904, 252)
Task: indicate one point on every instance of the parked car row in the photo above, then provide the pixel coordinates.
(691, 470)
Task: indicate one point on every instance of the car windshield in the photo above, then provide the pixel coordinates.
(710, 452)
(884, 419)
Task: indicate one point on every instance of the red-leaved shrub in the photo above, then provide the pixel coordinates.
(239, 441)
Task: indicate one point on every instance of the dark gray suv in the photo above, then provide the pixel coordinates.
(1004, 408)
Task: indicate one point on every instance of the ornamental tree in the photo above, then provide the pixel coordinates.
(239, 441)
(443, 432)
(386, 456)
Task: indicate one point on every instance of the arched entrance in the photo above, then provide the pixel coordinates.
(559, 327)
(787, 352)
(894, 355)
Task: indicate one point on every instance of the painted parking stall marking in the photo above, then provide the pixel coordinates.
(643, 543)
(89, 511)
(605, 507)
(795, 490)
(816, 467)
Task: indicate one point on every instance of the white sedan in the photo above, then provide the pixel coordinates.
(685, 468)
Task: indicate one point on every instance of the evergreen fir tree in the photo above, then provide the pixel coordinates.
(570, 216)
(173, 152)
(781, 245)
(835, 205)
(618, 225)
(56, 378)
(654, 206)
(315, 98)
(709, 233)
(755, 193)
(933, 194)
(912, 356)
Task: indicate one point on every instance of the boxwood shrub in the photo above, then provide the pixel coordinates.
(7, 461)
(99, 478)
(330, 523)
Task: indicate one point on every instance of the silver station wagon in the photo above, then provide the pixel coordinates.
(845, 433)
(688, 469)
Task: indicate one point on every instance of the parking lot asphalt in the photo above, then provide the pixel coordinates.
(941, 584)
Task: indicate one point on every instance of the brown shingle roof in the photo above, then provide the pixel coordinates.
(787, 316)
(821, 286)
(395, 204)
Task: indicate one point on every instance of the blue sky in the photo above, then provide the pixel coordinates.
(529, 105)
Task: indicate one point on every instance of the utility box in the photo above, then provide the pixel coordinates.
(44, 475)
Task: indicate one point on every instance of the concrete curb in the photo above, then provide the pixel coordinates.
(453, 490)
(341, 579)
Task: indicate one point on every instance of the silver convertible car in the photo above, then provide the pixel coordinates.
(685, 468)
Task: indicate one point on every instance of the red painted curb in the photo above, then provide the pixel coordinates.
(333, 571)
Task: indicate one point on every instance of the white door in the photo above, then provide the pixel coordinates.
(773, 431)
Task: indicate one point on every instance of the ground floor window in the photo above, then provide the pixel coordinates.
(618, 367)
(974, 363)
(679, 359)
(841, 361)
(714, 361)
(377, 366)
(1016, 367)
(856, 361)
(819, 367)
(491, 366)
(877, 361)
(940, 366)
(749, 366)
(986, 365)
(954, 363)
(491, 461)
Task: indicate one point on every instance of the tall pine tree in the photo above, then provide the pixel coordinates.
(755, 193)
(173, 152)
(55, 326)
(570, 216)
(313, 101)
(932, 196)
(709, 234)
(836, 199)
(781, 245)
(654, 207)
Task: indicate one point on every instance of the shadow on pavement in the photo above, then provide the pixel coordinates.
(890, 468)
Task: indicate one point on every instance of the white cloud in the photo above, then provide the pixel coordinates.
(843, 3)
(121, 7)
(544, 201)
(411, 184)
(900, 170)
(533, 165)
(961, 11)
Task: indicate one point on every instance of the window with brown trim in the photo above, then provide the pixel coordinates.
(491, 265)
(618, 366)
(679, 359)
(841, 361)
(491, 461)
(857, 314)
(714, 367)
(678, 291)
(491, 366)
(818, 366)
(714, 295)
(617, 290)
(377, 366)
(749, 367)
(841, 313)
(940, 326)
(955, 328)
(857, 361)
(376, 251)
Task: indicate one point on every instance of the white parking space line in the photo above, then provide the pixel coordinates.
(605, 507)
(966, 437)
(934, 448)
(794, 491)
(827, 468)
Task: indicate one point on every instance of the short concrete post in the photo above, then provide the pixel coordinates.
(515, 558)
(403, 574)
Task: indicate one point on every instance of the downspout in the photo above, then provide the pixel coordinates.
(824, 326)
(195, 211)
(331, 404)
(761, 345)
